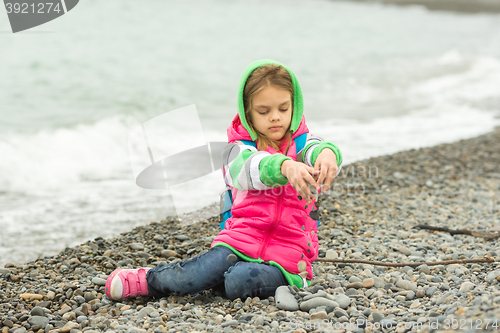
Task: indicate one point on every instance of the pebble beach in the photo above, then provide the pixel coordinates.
(370, 214)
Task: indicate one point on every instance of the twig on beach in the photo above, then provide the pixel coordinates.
(460, 231)
(410, 264)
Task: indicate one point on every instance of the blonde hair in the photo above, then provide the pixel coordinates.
(260, 78)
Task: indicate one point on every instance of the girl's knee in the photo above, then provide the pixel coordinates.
(246, 279)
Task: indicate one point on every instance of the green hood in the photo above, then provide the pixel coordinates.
(298, 103)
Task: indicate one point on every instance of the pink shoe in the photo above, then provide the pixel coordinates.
(127, 283)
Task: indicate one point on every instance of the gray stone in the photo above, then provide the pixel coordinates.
(136, 246)
(4, 271)
(351, 292)
(424, 269)
(492, 276)
(331, 254)
(467, 286)
(99, 281)
(229, 323)
(128, 312)
(182, 237)
(79, 299)
(38, 320)
(343, 300)
(404, 250)
(407, 285)
(445, 298)
(340, 313)
(355, 285)
(88, 296)
(37, 311)
(377, 317)
(144, 312)
(320, 293)
(379, 283)
(154, 314)
(285, 300)
(259, 321)
(354, 279)
(431, 291)
(315, 302)
(80, 319)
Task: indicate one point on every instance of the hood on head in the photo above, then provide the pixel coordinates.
(298, 104)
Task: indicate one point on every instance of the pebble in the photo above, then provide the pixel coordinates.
(368, 283)
(342, 300)
(377, 317)
(407, 285)
(355, 285)
(331, 254)
(37, 311)
(320, 315)
(315, 302)
(136, 246)
(145, 311)
(467, 286)
(285, 299)
(38, 320)
(404, 250)
(230, 323)
(431, 291)
(99, 281)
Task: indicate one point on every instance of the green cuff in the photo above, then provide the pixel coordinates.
(270, 170)
(319, 148)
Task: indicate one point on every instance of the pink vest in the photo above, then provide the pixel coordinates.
(273, 224)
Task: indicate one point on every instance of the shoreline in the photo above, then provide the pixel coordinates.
(456, 6)
(369, 214)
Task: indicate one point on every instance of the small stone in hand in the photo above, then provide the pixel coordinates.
(231, 258)
(314, 214)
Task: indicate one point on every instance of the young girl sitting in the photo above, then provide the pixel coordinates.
(270, 240)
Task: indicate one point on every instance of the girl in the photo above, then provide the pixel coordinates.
(270, 240)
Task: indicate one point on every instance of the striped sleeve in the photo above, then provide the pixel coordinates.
(313, 147)
(249, 169)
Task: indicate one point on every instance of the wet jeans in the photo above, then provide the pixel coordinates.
(239, 278)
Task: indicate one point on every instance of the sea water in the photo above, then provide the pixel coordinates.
(376, 80)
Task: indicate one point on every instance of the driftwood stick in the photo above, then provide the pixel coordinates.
(410, 264)
(460, 231)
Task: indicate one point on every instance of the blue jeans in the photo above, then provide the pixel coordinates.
(240, 279)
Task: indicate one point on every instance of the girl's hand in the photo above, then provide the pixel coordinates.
(298, 174)
(326, 167)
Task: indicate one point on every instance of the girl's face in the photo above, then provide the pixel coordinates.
(271, 112)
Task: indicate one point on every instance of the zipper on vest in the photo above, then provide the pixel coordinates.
(271, 231)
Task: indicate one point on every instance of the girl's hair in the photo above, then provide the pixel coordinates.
(260, 78)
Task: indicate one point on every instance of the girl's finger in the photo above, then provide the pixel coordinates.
(312, 171)
(303, 190)
(313, 189)
(322, 175)
(316, 168)
(330, 177)
(310, 180)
